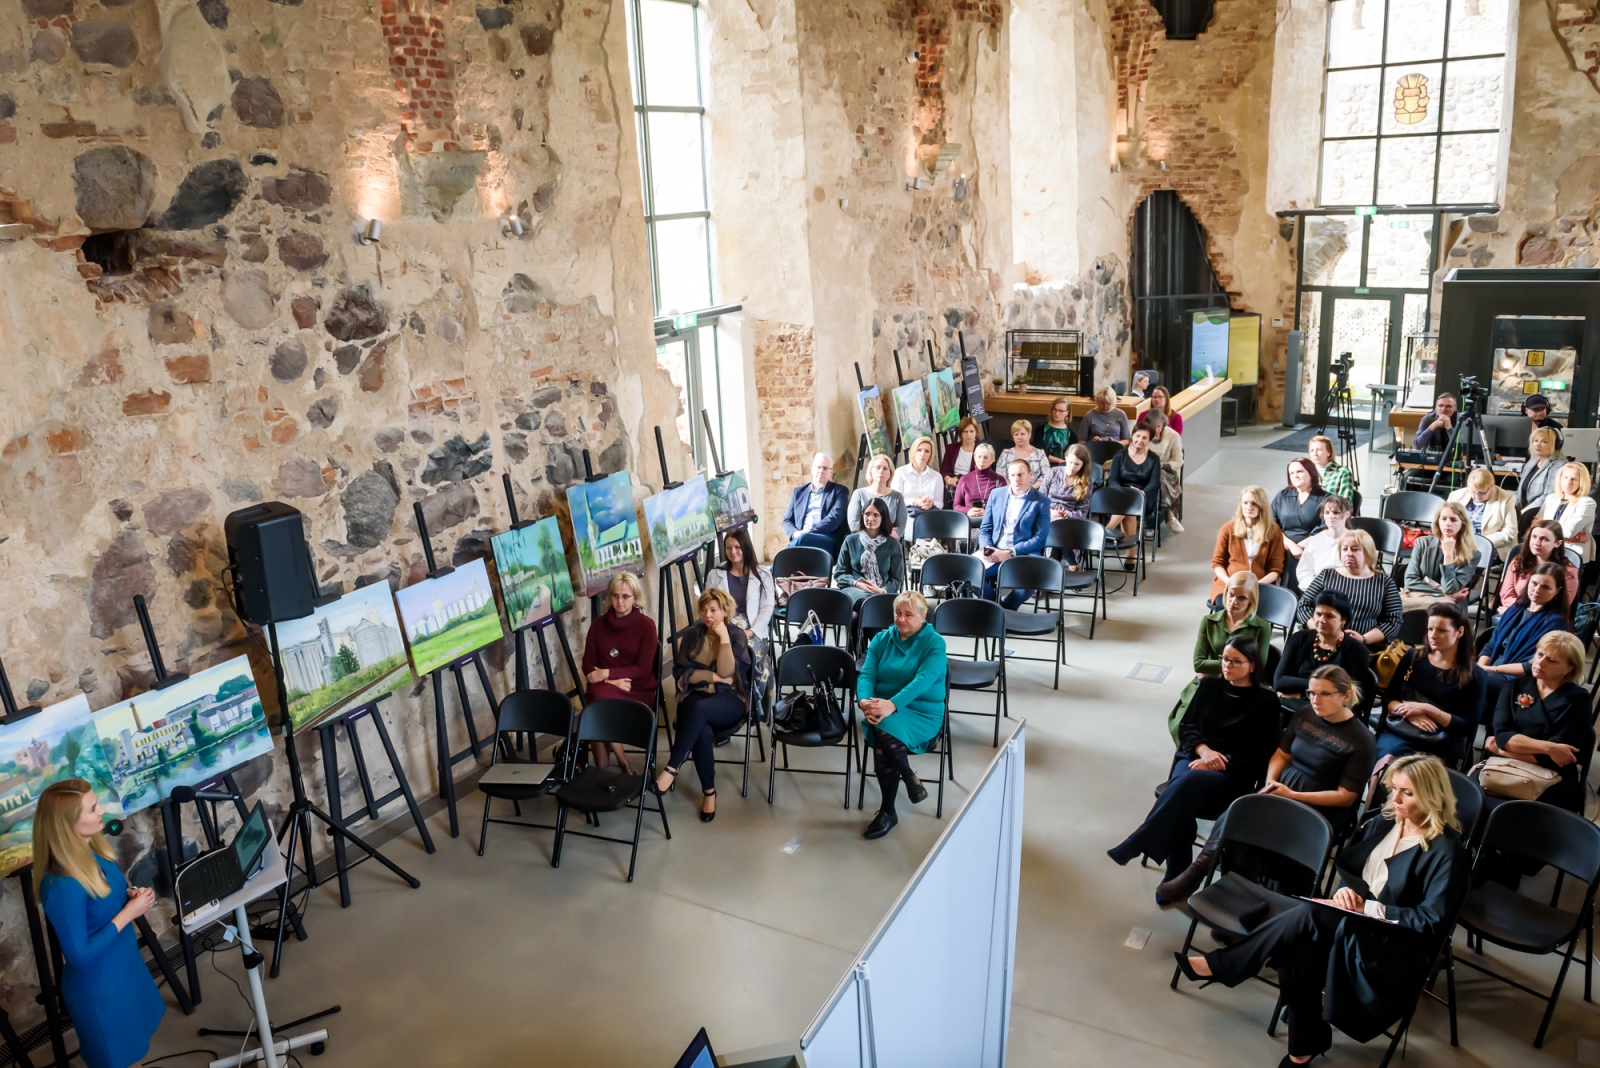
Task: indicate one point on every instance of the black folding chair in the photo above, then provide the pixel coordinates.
(1116, 502)
(797, 560)
(1294, 838)
(1042, 575)
(509, 778)
(1482, 567)
(1088, 538)
(1386, 535)
(944, 570)
(626, 723)
(1533, 832)
(1277, 606)
(1414, 626)
(982, 621)
(877, 614)
(748, 728)
(1102, 452)
(834, 611)
(1410, 506)
(943, 524)
(802, 668)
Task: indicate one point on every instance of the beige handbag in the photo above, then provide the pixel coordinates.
(1515, 780)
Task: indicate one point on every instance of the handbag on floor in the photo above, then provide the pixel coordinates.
(1514, 780)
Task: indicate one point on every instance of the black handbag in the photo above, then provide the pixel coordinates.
(794, 714)
(1404, 728)
(830, 716)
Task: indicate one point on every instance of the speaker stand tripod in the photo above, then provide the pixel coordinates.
(1466, 438)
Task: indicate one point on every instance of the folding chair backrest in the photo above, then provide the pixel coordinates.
(535, 712)
(617, 719)
(970, 617)
(1575, 558)
(1076, 534)
(1278, 825)
(1411, 506)
(1545, 834)
(807, 665)
(1102, 452)
(1386, 534)
(1485, 555)
(1469, 805)
(802, 560)
(1030, 573)
(941, 569)
(877, 613)
(832, 607)
(1276, 605)
(1117, 501)
(942, 523)
(1414, 626)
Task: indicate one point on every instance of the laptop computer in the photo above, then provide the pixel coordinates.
(699, 1054)
(212, 876)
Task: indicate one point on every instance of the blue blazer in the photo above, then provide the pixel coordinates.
(1033, 525)
(1517, 635)
(835, 503)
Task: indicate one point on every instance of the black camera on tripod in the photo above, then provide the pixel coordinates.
(1474, 396)
(1341, 370)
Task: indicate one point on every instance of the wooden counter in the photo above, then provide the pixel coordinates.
(1201, 408)
(1037, 405)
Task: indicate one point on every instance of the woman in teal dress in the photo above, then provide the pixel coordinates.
(114, 1003)
(900, 692)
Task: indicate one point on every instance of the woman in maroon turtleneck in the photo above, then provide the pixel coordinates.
(619, 656)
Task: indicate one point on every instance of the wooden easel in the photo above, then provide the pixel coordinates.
(666, 602)
(447, 759)
(552, 621)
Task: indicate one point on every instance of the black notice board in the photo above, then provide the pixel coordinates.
(974, 386)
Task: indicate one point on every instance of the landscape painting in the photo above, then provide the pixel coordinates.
(447, 617)
(870, 401)
(57, 743)
(729, 497)
(344, 655)
(190, 732)
(534, 580)
(679, 520)
(607, 528)
(945, 399)
(911, 413)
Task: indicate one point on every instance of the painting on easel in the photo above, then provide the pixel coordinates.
(449, 616)
(945, 399)
(344, 655)
(46, 747)
(679, 520)
(911, 413)
(607, 528)
(534, 580)
(870, 401)
(729, 497)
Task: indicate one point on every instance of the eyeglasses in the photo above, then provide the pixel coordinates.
(1322, 693)
(1236, 661)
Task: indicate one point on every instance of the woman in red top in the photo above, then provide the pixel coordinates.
(619, 656)
(974, 487)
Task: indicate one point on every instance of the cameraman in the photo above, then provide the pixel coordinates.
(1537, 409)
(1433, 433)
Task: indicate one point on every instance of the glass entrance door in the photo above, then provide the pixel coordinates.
(1369, 329)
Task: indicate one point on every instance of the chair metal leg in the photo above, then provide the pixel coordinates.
(772, 768)
(561, 832)
(483, 829)
(1588, 955)
(849, 765)
(638, 827)
(1555, 995)
(861, 787)
(1450, 987)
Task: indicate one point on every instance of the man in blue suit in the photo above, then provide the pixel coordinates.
(816, 514)
(1016, 521)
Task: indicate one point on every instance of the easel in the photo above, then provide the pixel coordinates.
(666, 604)
(447, 759)
(714, 546)
(519, 636)
(864, 449)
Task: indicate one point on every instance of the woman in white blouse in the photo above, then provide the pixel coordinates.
(1569, 504)
(1322, 548)
(919, 482)
(880, 478)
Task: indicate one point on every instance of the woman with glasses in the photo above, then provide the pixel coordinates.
(1491, 510)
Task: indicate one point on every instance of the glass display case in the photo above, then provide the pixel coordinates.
(1048, 361)
(1421, 371)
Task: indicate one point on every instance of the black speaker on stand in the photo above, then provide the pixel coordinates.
(273, 581)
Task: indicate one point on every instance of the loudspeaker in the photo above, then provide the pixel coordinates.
(272, 578)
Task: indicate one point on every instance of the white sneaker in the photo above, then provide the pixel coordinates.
(1173, 524)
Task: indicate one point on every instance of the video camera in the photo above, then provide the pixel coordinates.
(1341, 370)
(1474, 395)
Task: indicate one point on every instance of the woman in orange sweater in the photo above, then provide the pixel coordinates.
(1250, 541)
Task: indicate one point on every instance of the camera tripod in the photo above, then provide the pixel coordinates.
(1466, 438)
(1338, 407)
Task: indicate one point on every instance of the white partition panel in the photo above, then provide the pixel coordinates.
(933, 985)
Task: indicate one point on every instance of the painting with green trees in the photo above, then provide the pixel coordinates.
(345, 654)
(607, 528)
(46, 747)
(679, 520)
(535, 583)
(945, 399)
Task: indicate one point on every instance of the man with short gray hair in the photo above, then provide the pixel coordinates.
(816, 513)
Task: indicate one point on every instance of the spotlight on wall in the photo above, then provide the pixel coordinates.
(915, 183)
(961, 187)
(513, 227)
(1163, 164)
(372, 233)
(913, 55)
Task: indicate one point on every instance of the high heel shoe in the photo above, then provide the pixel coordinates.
(1190, 974)
(655, 784)
(707, 817)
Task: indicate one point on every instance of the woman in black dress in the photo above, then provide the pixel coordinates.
(1298, 510)
(1224, 742)
(1136, 467)
(1543, 719)
(1337, 970)
(1324, 640)
(1435, 697)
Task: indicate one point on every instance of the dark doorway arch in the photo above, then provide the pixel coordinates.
(1171, 277)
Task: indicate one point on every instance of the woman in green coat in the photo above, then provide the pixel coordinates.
(1236, 616)
(901, 694)
(870, 560)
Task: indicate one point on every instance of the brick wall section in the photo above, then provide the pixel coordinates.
(424, 78)
(1136, 32)
(929, 21)
(785, 373)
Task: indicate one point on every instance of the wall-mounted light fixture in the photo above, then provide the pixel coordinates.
(913, 55)
(915, 183)
(1163, 164)
(372, 233)
(513, 227)
(961, 187)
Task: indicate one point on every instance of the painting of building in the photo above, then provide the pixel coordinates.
(447, 617)
(46, 747)
(873, 423)
(728, 497)
(945, 399)
(679, 520)
(911, 413)
(606, 526)
(343, 655)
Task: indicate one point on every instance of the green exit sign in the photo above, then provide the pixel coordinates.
(1370, 209)
(686, 322)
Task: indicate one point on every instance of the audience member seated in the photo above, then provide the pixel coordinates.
(974, 487)
(880, 487)
(1167, 444)
(1224, 742)
(1544, 718)
(1541, 609)
(1324, 757)
(1433, 432)
(1321, 550)
(1536, 406)
(1324, 641)
(1016, 522)
(1410, 868)
(1023, 449)
(870, 560)
(1374, 599)
(1070, 485)
(1297, 509)
(1250, 541)
(958, 455)
(1538, 475)
(1236, 618)
(1334, 478)
(1161, 401)
(1434, 699)
(1441, 564)
(1105, 421)
(1136, 467)
(1491, 510)
(1056, 435)
(1141, 385)
(919, 482)
(619, 656)
(816, 513)
(709, 671)
(901, 694)
(755, 595)
(1569, 504)
(1543, 544)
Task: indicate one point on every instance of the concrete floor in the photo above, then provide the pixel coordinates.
(504, 960)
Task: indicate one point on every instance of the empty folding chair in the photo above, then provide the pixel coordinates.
(626, 723)
(984, 622)
(1087, 539)
(1277, 606)
(1042, 575)
(530, 713)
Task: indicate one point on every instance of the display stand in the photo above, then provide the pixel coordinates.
(666, 602)
(864, 449)
(274, 874)
(447, 759)
(552, 621)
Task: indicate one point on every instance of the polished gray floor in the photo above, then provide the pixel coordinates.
(504, 960)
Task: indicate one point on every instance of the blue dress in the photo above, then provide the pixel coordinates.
(910, 674)
(114, 1003)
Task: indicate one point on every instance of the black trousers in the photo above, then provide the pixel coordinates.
(700, 716)
(1296, 944)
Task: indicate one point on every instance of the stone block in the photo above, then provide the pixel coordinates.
(300, 478)
(369, 506)
(247, 296)
(305, 313)
(48, 48)
(257, 103)
(206, 195)
(450, 507)
(115, 187)
(172, 511)
(122, 571)
(168, 325)
(189, 370)
(303, 252)
(300, 189)
(149, 402)
(46, 9)
(356, 314)
(288, 361)
(494, 18)
(105, 41)
(322, 412)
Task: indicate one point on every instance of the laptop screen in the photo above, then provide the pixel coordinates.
(251, 839)
(699, 1054)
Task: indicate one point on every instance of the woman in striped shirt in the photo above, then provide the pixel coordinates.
(1374, 598)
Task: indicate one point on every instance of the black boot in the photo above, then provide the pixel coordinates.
(1177, 889)
(881, 825)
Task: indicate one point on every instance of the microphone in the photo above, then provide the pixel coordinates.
(184, 794)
